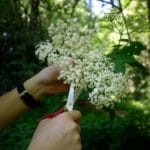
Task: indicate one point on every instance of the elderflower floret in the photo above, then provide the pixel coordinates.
(91, 70)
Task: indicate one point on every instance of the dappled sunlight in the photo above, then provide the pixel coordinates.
(114, 37)
(138, 105)
(109, 43)
(143, 106)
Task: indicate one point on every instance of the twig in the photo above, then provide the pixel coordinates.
(74, 6)
(110, 3)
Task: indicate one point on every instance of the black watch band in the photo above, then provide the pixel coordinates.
(27, 98)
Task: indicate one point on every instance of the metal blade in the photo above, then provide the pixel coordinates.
(72, 97)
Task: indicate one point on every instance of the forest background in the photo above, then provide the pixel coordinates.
(123, 35)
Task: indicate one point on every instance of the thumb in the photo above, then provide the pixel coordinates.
(75, 115)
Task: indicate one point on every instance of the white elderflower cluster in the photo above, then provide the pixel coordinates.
(65, 41)
(90, 69)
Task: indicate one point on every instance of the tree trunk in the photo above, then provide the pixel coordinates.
(34, 18)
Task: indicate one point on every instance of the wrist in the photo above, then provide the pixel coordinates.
(34, 88)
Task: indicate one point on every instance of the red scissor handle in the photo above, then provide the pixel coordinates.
(52, 115)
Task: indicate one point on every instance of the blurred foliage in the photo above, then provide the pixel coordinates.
(123, 36)
(130, 129)
(124, 54)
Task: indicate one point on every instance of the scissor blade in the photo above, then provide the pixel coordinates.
(70, 99)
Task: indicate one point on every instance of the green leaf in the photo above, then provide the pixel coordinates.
(124, 54)
(119, 67)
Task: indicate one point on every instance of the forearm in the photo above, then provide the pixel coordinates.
(12, 106)
(40, 85)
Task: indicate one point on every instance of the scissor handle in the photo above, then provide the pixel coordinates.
(54, 114)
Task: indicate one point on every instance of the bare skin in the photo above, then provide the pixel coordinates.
(59, 133)
(40, 85)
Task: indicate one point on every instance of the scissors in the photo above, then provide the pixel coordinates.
(71, 99)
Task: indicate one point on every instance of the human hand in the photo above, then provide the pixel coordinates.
(59, 133)
(46, 82)
(49, 78)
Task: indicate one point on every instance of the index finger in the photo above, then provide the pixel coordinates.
(75, 115)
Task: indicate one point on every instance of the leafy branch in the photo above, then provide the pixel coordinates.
(120, 8)
(124, 20)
